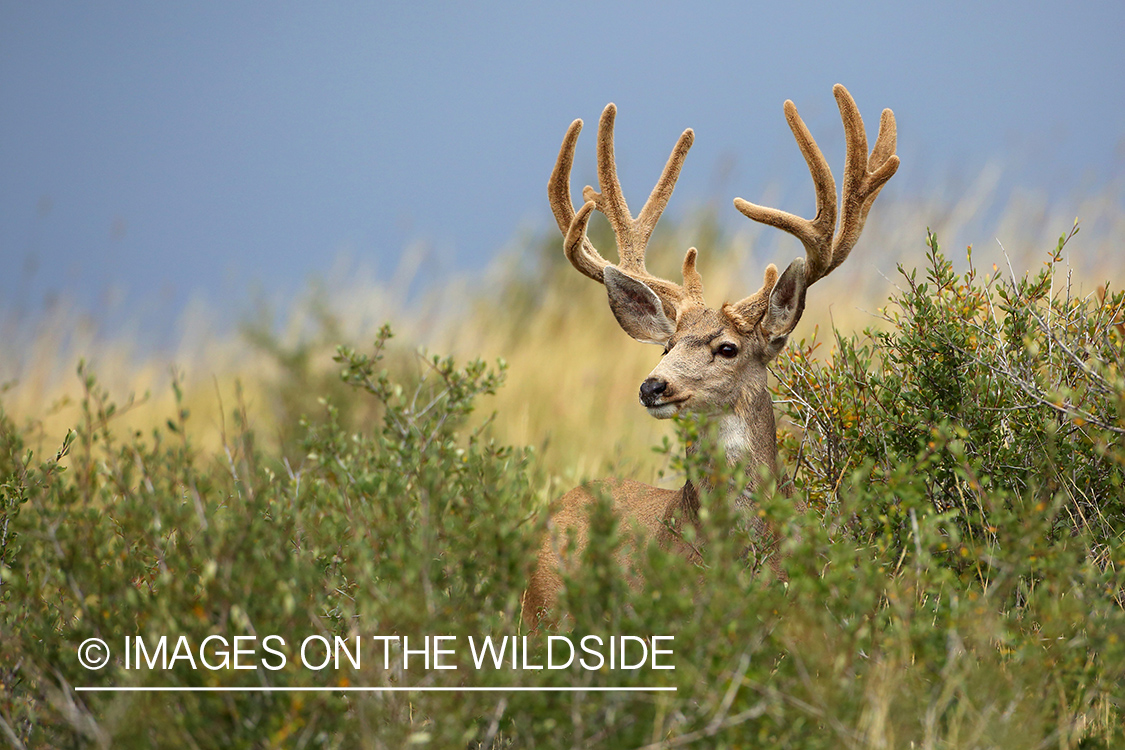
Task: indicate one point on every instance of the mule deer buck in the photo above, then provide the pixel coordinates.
(715, 360)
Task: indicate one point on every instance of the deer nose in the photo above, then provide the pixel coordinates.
(651, 390)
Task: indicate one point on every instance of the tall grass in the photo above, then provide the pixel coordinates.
(573, 378)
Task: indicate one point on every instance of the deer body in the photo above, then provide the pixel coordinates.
(715, 361)
(652, 511)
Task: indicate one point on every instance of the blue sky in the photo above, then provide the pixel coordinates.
(152, 152)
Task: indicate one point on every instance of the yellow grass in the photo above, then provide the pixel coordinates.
(573, 377)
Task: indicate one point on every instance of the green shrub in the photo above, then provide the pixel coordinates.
(975, 449)
(409, 528)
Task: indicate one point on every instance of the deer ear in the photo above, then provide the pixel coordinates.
(637, 308)
(786, 303)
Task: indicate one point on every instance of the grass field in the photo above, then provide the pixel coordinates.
(570, 365)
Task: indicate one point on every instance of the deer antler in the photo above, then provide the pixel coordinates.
(632, 234)
(864, 177)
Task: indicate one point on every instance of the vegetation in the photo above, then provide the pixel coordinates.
(958, 582)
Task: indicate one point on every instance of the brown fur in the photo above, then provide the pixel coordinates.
(653, 512)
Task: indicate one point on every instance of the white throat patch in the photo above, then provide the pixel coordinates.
(734, 436)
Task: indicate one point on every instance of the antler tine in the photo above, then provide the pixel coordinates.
(611, 201)
(558, 187)
(662, 191)
(632, 234)
(815, 234)
(864, 177)
(580, 252)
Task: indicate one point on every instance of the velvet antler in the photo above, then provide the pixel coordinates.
(632, 234)
(826, 247)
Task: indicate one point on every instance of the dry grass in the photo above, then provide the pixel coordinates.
(571, 389)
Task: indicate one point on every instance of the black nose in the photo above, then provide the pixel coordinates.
(651, 390)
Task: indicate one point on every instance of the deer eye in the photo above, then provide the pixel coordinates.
(729, 351)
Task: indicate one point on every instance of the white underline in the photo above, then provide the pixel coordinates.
(371, 689)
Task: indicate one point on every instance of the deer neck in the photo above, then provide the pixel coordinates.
(748, 435)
